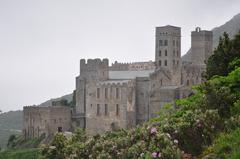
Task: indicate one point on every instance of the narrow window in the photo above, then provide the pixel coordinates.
(160, 62)
(117, 110)
(165, 52)
(160, 42)
(160, 53)
(165, 62)
(173, 52)
(161, 82)
(117, 93)
(173, 42)
(177, 63)
(98, 109)
(106, 110)
(98, 92)
(187, 82)
(177, 54)
(165, 42)
(106, 93)
(173, 62)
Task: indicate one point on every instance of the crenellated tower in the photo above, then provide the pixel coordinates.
(91, 72)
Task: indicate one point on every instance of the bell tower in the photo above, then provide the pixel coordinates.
(168, 47)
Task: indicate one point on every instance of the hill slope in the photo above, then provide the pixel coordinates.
(10, 123)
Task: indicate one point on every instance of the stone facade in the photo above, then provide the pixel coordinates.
(45, 120)
(138, 90)
(126, 94)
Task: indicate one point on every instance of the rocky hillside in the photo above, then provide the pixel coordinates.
(232, 27)
(67, 97)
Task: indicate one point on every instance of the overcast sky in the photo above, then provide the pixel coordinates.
(41, 41)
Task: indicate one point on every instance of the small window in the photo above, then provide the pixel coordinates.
(165, 52)
(117, 93)
(177, 42)
(106, 93)
(177, 54)
(173, 62)
(160, 53)
(106, 110)
(173, 42)
(160, 42)
(161, 82)
(98, 109)
(165, 62)
(187, 82)
(165, 43)
(160, 62)
(177, 62)
(117, 110)
(173, 52)
(98, 92)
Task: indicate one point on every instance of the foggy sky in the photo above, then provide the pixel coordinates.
(42, 41)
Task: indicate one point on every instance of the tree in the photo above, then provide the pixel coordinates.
(224, 54)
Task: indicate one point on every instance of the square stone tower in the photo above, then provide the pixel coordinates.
(201, 46)
(168, 47)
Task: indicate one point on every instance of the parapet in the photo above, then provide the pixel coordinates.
(93, 64)
(199, 32)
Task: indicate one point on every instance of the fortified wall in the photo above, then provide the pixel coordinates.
(45, 120)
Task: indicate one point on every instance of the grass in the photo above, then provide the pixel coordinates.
(20, 154)
(226, 146)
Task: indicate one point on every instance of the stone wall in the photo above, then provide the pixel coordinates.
(110, 105)
(142, 99)
(45, 120)
(192, 74)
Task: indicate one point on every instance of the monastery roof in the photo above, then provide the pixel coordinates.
(129, 74)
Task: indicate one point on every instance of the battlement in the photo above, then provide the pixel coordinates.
(93, 64)
(132, 66)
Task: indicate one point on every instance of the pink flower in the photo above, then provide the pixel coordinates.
(154, 154)
(153, 130)
(159, 155)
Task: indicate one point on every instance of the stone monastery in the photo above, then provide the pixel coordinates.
(126, 94)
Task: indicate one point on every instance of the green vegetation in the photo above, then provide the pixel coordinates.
(227, 145)
(20, 154)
